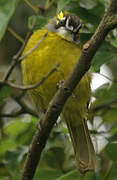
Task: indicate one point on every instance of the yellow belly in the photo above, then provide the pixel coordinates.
(52, 50)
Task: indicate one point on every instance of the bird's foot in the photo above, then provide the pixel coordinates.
(60, 84)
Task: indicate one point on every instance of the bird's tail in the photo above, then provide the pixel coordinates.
(83, 147)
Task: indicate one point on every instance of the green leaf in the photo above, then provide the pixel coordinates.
(4, 177)
(89, 14)
(112, 175)
(15, 127)
(71, 175)
(111, 151)
(31, 21)
(14, 157)
(55, 157)
(105, 104)
(5, 144)
(5, 92)
(47, 174)
(86, 15)
(113, 138)
(106, 53)
(3, 171)
(110, 115)
(113, 132)
(61, 4)
(40, 22)
(101, 90)
(98, 10)
(106, 97)
(84, 37)
(104, 2)
(21, 130)
(74, 175)
(7, 8)
(115, 42)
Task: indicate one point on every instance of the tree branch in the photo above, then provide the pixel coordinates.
(24, 108)
(17, 59)
(56, 105)
(14, 34)
(11, 115)
(31, 50)
(29, 87)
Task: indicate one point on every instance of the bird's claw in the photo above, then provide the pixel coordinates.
(59, 84)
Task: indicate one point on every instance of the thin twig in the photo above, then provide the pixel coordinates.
(14, 61)
(31, 6)
(29, 87)
(24, 110)
(31, 50)
(11, 115)
(17, 60)
(24, 107)
(15, 57)
(17, 36)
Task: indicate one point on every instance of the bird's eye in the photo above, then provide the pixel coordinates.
(61, 22)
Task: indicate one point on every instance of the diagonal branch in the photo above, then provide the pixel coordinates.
(17, 59)
(24, 108)
(29, 87)
(56, 105)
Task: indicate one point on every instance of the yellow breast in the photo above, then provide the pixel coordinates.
(52, 49)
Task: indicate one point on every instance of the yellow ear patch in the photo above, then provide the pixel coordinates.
(60, 15)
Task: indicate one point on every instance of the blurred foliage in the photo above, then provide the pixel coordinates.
(57, 161)
(5, 92)
(7, 9)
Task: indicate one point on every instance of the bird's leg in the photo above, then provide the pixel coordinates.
(60, 84)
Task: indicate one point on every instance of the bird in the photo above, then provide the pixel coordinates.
(61, 45)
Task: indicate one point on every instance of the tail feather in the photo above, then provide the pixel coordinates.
(83, 147)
